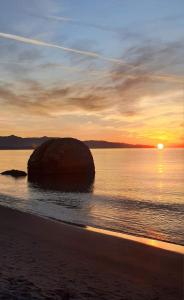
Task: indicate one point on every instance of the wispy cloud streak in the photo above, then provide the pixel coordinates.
(79, 23)
(72, 50)
(164, 77)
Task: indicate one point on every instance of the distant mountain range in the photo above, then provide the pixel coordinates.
(15, 142)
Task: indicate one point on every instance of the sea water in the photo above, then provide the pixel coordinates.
(135, 191)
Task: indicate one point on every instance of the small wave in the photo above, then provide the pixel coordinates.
(125, 221)
(132, 204)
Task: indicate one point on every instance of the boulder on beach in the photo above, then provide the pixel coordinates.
(14, 173)
(61, 158)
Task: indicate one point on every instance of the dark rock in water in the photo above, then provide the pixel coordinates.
(63, 184)
(61, 160)
(14, 173)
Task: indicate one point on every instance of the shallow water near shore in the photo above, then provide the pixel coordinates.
(136, 191)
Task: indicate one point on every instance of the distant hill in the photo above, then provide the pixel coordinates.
(15, 142)
(104, 144)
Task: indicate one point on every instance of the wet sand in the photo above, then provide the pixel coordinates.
(45, 259)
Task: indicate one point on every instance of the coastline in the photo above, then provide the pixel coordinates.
(55, 260)
(165, 245)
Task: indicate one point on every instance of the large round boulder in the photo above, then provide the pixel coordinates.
(61, 158)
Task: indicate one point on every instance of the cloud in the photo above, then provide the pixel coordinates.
(146, 83)
(38, 100)
(124, 90)
(128, 98)
(89, 102)
(152, 51)
(125, 67)
(151, 60)
(29, 55)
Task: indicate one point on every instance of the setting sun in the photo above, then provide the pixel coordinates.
(160, 146)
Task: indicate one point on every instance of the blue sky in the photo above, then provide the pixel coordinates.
(92, 69)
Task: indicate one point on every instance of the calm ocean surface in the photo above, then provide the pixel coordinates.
(136, 191)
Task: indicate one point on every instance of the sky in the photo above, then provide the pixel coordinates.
(103, 69)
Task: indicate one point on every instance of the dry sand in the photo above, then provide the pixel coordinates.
(44, 259)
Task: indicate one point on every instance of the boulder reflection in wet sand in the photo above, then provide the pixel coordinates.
(64, 164)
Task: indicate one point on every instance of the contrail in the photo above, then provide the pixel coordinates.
(60, 18)
(76, 22)
(79, 23)
(72, 50)
(36, 42)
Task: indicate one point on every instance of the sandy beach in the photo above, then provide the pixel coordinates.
(45, 259)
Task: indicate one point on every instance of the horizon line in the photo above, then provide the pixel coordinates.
(97, 140)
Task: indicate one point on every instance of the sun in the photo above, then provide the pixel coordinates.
(160, 146)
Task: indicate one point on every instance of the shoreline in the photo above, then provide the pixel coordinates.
(162, 244)
(45, 257)
(103, 148)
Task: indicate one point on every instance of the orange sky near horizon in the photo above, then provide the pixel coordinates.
(115, 76)
(154, 119)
